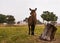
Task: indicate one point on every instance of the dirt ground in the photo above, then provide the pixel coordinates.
(37, 40)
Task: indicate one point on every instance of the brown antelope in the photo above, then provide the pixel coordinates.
(32, 21)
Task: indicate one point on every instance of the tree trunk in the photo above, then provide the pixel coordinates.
(48, 33)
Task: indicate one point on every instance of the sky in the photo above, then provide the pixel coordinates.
(20, 8)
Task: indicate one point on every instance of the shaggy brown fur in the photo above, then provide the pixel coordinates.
(32, 21)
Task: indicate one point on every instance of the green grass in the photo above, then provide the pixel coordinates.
(19, 34)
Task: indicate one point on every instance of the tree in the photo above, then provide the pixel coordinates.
(49, 16)
(10, 19)
(18, 22)
(25, 20)
(2, 18)
(50, 29)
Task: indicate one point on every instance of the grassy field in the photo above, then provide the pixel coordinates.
(19, 34)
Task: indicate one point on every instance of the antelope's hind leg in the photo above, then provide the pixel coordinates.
(32, 29)
(29, 30)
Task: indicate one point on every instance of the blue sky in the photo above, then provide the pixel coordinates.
(20, 8)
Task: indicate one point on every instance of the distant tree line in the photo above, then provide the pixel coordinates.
(9, 19)
(46, 16)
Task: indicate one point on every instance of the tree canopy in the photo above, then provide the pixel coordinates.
(9, 19)
(2, 18)
(49, 16)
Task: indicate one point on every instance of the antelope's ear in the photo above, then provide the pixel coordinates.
(35, 9)
(30, 9)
